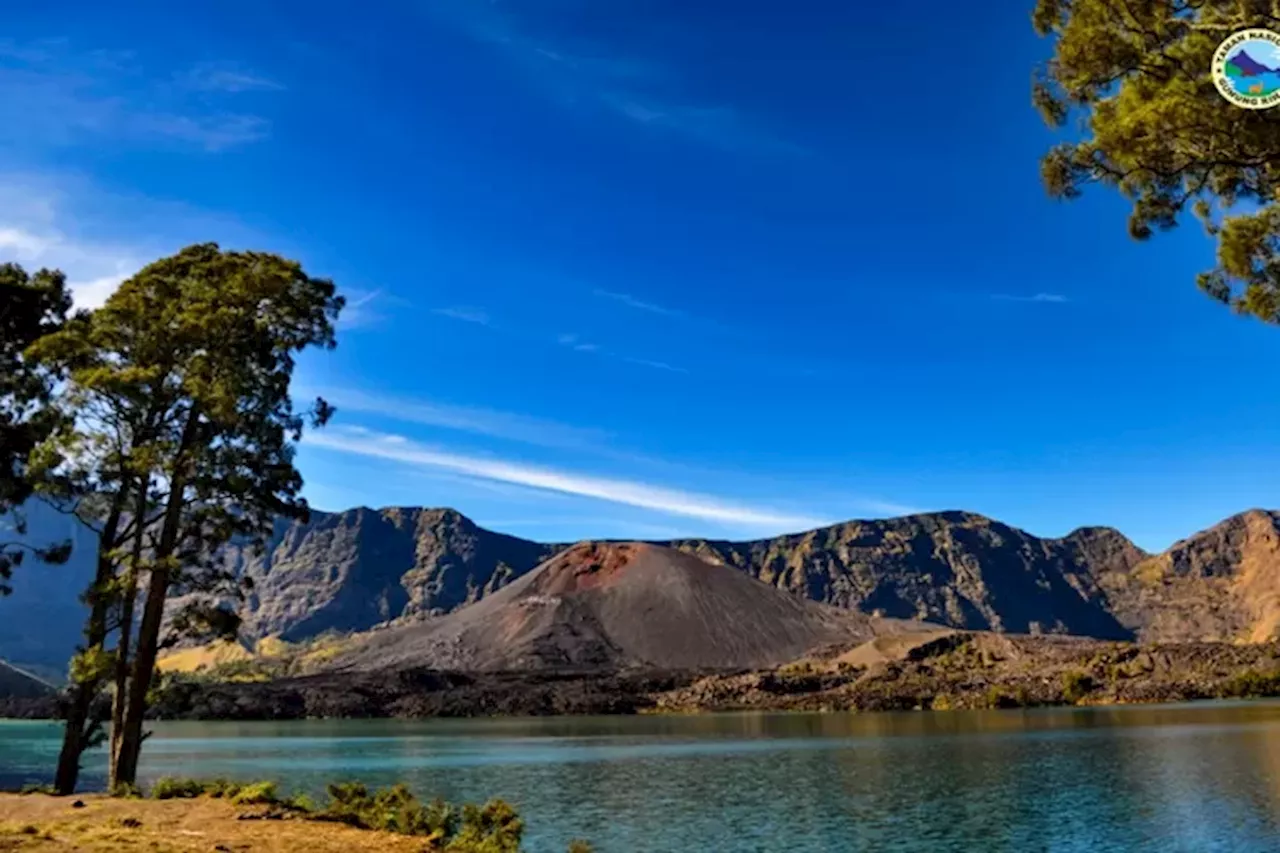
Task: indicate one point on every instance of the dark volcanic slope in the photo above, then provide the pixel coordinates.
(616, 605)
(953, 568)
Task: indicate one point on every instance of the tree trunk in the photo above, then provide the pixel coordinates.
(129, 741)
(144, 659)
(130, 595)
(78, 734)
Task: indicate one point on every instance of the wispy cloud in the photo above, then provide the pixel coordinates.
(30, 234)
(1036, 297)
(584, 75)
(592, 527)
(628, 492)
(575, 343)
(360, 312)
(718, 126)
(469, 419)
(99, 238)
(888, 508)
(632, 302)
(656, 365)
(466, 314)
(52, 93)
(225, 77)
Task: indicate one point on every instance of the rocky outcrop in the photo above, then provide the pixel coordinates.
(952, 568)
(352, 570)
(1222, 584)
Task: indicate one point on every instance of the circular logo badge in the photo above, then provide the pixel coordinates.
(1246, 69)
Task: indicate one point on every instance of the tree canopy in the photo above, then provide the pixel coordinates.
(1130, 81)
(184, 430)
(31, 306)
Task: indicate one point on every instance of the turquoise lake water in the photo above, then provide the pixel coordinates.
(1270, 81)
(1195, 778)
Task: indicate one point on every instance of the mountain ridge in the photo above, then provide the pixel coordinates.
(349, 571)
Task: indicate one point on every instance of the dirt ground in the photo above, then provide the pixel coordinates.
(42, 824)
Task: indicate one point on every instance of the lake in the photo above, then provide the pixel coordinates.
(1196, 778)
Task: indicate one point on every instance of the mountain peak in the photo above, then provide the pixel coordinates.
(1248, 66)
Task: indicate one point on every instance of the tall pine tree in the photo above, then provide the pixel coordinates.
(188, 429)
(1130, 81)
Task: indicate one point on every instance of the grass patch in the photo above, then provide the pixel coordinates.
(126, 791)
(257, 794)
(177, 789)
(36, 789)
(490, 828)
(240, 793)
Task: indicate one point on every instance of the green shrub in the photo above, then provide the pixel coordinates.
(36, 788)
(240, 793)
(999, 697)
(299, 803)
(176, 789)
(256, 794)
(1251, 684)
(799, 667)
(393, 809)
(221, 789)
(492, 828)
(1076, 685)
(126, 791)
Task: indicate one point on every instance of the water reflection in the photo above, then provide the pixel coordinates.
(1167, 779)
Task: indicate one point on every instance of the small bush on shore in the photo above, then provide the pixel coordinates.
(494, 827)
(1251, 684)
(240, 793)
(256, 794)
(177, 789)
(1076, 685)
(393, 809)
(1000, 697)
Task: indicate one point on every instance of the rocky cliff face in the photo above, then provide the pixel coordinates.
(951, 568)
(1220, 584)
(349, 571)
(352, 570)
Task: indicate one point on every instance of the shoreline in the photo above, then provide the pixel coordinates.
(938, 671)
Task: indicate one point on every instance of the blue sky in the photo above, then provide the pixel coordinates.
(654, 268)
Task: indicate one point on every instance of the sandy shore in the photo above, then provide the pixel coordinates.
(38, 823)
